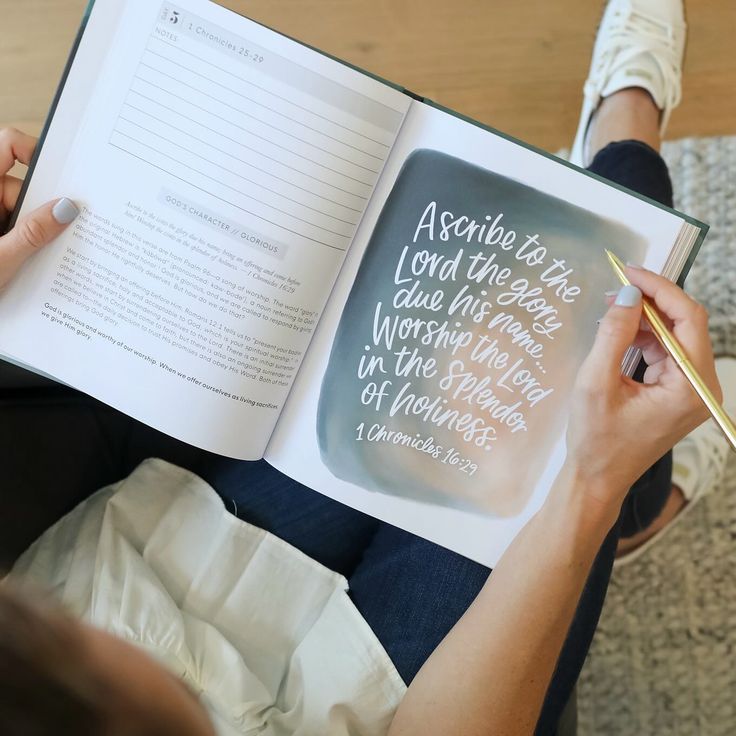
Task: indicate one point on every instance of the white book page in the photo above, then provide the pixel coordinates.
(470, 487)
(222, 170)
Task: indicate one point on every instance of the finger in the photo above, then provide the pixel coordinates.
(654, 353)
(689, 319)
(651, 348)
(9, 192)
(616, 333)
(671, 301)
(32, 233)
(15, 146)
(643, 325)
(654, 371)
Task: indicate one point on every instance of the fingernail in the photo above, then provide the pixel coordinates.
(635, 266)
(65, 211)
(629, 296)
(611, 293)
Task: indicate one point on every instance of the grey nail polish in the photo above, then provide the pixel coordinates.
(629, 296)
(65, 211)
(636, 266)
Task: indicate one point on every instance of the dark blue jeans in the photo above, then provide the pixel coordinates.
(635, 165)
(57, 447)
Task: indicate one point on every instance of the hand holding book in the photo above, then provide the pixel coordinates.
(37, 229)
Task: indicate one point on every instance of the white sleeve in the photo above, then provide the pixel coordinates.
(62, 560)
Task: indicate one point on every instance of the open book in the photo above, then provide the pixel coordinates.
(281, 256)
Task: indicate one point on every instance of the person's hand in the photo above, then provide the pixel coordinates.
(35, 230)
(618, 427)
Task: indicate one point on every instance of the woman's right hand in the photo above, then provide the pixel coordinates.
(512, 634)
(618, 427)
(35, 230)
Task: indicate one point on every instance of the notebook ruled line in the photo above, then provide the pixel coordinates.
(222, 199)
(243, 145)
(266, 107)
(256, 135)
(235, 189)
(235, 173)
(236, 109)
(243, 161)
(269, 92)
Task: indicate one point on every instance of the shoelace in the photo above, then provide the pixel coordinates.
(632, 33)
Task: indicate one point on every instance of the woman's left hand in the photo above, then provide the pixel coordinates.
(35, 230)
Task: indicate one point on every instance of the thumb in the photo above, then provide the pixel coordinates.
(616, 333)
(33, 232)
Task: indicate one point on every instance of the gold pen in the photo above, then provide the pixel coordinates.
(674, 348)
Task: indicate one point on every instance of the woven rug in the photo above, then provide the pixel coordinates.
(664, 657)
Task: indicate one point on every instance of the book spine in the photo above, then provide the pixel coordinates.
(414, 95)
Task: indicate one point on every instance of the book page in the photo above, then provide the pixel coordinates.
(436, 390)
(223, 170)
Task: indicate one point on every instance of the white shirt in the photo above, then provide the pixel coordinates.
(266, 635)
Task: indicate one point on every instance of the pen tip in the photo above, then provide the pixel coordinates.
(613, 258)
(617, 266)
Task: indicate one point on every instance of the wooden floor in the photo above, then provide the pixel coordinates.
(517, 66)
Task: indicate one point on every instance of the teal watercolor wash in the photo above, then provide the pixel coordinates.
(434, 390)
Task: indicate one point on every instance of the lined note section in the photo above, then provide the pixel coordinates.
(294, 152)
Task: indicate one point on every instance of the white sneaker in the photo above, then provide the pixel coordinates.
(640, 43)
(698, 461)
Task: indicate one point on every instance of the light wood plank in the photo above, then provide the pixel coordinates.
(517, 66)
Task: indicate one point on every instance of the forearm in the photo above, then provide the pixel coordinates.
(491, 673)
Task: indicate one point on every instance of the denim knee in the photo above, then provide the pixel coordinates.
(636, 166)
